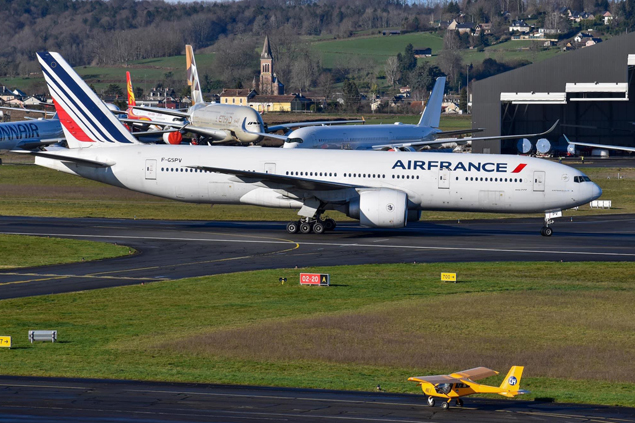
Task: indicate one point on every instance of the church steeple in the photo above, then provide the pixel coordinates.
(266, 49)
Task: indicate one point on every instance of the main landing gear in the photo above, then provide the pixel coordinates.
(445, 404)
(546, 230)
(308, 225)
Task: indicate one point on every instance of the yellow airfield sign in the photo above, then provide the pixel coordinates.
(5, 341)
(448, 277)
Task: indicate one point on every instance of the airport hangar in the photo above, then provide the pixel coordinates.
(587, 89)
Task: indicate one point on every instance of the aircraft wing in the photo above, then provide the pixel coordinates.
(461, 140)
(476, 373)
(608, 147)
(65, 158)
(21, 109)
(170, 112)
(435, 380)
(459, 132)
(216, 134)
(41, 143)
(316, 123)
(299, 182)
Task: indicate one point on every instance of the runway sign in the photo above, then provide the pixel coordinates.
(448, 277)
(5, 341)
(315, 279)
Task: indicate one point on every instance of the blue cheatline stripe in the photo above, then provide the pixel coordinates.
(55, 88)
(72, 86)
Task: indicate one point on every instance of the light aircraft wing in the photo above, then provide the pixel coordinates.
(170, 112)
(476, 373)
(289, 181)
(316, 123)
(460, 140)
(435, 380)
(65, 158)
(608, 147)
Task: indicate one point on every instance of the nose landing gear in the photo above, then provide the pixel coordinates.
(546, 230)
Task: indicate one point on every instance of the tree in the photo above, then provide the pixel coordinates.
(463, 100)
(408, 60)
(391, 68)
(113, 90)
(351, 95)
(138, 92)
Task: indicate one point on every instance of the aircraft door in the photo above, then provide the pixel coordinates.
(539, 180)
(444, 178)
(270, 168)
(151, 169)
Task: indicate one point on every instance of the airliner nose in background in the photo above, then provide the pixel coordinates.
(381, 189)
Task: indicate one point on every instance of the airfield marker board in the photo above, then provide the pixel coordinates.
(315, 279)
(5, 341)
(448, 277)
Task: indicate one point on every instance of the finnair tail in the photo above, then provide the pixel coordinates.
(431, 116)
(192, 76)
(85, 118)
(131, 100)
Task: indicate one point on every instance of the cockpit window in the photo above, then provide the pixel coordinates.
(298, 140)
(580, 179)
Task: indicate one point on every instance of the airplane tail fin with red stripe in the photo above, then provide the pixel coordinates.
(86, 120)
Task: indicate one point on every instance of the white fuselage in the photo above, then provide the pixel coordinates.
(357, 137)
(229, 119)
(432, 181)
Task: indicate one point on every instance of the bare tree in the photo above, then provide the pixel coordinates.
(391, 68)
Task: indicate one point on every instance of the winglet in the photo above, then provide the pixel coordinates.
(431, 115)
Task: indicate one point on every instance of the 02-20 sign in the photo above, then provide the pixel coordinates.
(314, 279)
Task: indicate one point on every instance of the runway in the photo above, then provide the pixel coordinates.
(180, 249)
(79, 400)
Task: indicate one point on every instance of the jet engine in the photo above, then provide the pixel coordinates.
(383, 208)
(173, 138)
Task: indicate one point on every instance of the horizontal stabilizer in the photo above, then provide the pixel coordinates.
(608, 147)
(66, 158)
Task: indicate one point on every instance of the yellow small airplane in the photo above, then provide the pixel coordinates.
(453, 386)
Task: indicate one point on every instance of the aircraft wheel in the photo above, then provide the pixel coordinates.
(431, 401)
(459, 402)
(305, 228)
(318, 228)
(292, 227)
(546, 231)
(329, 224)
(445, 405)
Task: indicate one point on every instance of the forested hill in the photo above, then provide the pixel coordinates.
(110, 32)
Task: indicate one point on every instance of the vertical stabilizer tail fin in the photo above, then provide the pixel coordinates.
(86, 120)
(192, 76)
(131, 100)
(431, 116)
(511, 383)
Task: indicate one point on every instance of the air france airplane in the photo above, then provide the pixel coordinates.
(381, 189)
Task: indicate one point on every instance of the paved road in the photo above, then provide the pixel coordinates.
(173, 250)
(79, 400)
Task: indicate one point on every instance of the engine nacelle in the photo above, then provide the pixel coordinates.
(414, 215)
(173, 138)
(383, 208)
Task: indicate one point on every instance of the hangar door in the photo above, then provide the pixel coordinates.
(539, 180)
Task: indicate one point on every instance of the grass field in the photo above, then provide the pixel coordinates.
(27, 190)
(27, 251)
(570, 324)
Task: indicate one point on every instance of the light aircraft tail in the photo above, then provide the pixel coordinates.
(431, 116)
(511, 383)
(85, 118)
(131, 100)
(192, 76)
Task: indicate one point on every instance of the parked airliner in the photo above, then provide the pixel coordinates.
(381, 189)
(30, 134)
(389, 137)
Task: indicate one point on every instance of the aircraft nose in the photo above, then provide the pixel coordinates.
(596, 191)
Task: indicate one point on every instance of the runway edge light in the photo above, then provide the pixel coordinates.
(318, 279)
(5, 341)
(448, 277)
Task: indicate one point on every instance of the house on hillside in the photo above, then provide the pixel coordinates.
(593, 41)
(608, 18)
(582, 37)
(240, 97)
(485, 28)
(465, 28)
(32, 101)
(520, 26)
(423, 52)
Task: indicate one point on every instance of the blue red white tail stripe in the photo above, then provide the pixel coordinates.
(85, 118)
